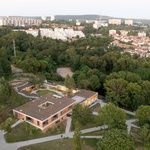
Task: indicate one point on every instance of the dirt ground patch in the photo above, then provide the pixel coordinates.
(64, 71)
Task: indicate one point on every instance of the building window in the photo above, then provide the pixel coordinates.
(57, 121)
(70, 106)
(55, 117)
(45, 123)
(29, 119)
(38, 123)
(16, 114)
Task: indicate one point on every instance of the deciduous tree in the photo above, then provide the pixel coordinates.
(116, 140)
(112, 116)
(143, 114)
(77, 144)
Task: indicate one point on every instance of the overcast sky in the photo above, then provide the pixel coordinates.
(114, 8)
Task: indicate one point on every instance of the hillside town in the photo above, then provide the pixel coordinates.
(139, 45)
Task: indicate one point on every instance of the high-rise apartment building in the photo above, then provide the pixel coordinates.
(52, 18)
(115, 21)
(128, 22)
(19, 21)
(43, 18)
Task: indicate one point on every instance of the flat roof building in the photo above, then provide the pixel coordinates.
(111, 32)
(115, 21)
(128, 22)
(19, 21)
(46, 111)
(43, 18)
(49, 110)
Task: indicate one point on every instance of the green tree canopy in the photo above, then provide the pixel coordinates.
(82, 114)
(69, 82)
(77, 144)
(143, 114)
(116, 91)
(94, 82)
(112, 116)
(5, 91)
(145, 134)
(116, 140)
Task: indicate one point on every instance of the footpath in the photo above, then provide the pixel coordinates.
(67, 134)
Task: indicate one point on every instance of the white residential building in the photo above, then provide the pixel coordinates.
(19, 21)
(33, 32)
(90, 21)
(128, 22)
(115, 21)
(78, 23)
(111, 32)
(43, 18)
(142, 34)
(60, 33)
(99, 24)
(52, 18)
(123, 32)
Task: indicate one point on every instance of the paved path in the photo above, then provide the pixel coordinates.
(34, 97)
(101, 102)
(129, 112)
(92, 137)
(56, 137)
(69, 119)
(95, 113)
(15, 146)
(21, 85)
(16, 123)
(129, 124)
(94, 129)
(4, 145)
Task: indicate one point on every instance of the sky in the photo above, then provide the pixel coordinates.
(113, 8)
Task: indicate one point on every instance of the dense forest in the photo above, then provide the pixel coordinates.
(123, 79)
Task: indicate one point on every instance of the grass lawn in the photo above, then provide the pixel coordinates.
(92, 123)
(64, 144)
(44, 92)
(25, 131)
(96, 133)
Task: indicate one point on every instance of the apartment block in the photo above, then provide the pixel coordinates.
(142, 34)
(19, 21)
(123, 32)
(128, 22)
(99, 24)
(52, 18)
(43, 18)
(114, 21)
(111, 32)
